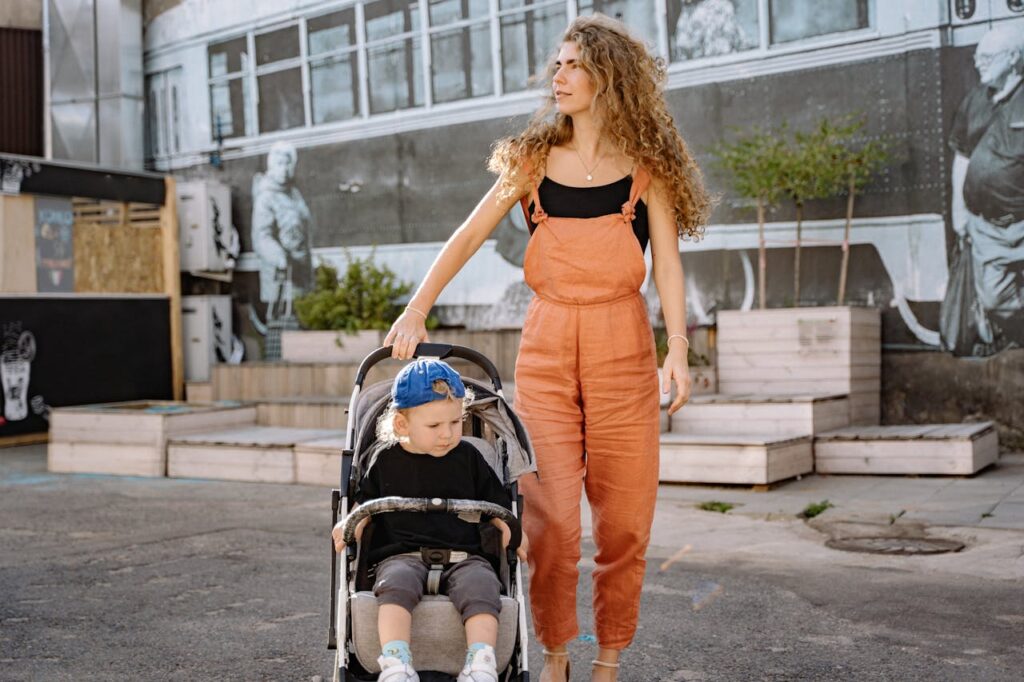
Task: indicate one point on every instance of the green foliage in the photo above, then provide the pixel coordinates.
(815, 508)
(753, 163)
(720, 507)
(767, 164)
(362, 298)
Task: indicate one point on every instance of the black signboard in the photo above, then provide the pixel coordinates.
(61, 350)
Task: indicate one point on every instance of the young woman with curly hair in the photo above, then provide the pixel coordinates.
(600, 170)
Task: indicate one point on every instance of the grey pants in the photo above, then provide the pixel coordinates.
(472, 584)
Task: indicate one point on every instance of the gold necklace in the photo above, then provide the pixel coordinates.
(590, 171)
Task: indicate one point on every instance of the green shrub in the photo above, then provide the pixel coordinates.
(364, 297)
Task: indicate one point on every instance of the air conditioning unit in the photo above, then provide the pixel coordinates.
(208, 240)
(206, 326)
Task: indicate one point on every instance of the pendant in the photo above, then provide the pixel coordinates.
(590, 178)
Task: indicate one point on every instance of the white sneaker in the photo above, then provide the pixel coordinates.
(393, 670)
(482, 668)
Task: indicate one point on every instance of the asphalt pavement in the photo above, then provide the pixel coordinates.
(114, 578)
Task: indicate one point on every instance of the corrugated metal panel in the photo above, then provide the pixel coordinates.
(21, 91)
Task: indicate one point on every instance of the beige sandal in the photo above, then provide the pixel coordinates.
(560, 654)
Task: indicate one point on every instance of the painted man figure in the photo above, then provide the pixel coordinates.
(988, 181)
(281, 231)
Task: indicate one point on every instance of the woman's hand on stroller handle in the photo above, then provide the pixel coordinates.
(406, 333)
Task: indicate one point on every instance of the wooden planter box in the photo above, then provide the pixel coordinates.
(762, 414)
(746, 460)
(130, 438)
(804, 350)
(318, 462)
(261, 454)
(323, 346)
(957, 449)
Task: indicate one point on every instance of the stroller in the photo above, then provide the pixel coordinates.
(438, 636)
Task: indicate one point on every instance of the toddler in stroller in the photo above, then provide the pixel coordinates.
(420, 453)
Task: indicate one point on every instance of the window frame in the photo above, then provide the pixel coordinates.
(305, 61)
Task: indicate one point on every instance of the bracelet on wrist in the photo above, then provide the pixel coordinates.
(678, 336)
(418, 312)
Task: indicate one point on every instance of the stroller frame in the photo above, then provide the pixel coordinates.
(340, 630)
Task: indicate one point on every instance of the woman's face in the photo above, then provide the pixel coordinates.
(572, 86)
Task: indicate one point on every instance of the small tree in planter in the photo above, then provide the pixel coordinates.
(363, 298)
(754, 164)
(807, 174)
(853, 166)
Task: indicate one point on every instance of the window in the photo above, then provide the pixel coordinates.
(461, 64)
(163, 135)
(229, 66)
(798, 19)
(529, 36)
(708, 28)
(394, 55)
(333, 67)
(639, 15)
(279, 80)
(373, 57)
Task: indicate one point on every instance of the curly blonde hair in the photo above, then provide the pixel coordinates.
(629, 86)
(386, 422)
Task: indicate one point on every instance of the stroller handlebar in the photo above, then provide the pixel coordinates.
(434, 350)
(383, 505)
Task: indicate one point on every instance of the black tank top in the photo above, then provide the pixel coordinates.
(564, 201)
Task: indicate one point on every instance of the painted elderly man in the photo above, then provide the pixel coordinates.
(281, 230)
(988, 180)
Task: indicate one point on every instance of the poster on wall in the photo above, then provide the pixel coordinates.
(54, 253)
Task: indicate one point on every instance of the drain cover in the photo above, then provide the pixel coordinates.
(890, 545)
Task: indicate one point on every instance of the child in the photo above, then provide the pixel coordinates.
(427, 458)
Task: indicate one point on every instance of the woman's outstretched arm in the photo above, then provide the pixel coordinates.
(668, 277)
(410, 329)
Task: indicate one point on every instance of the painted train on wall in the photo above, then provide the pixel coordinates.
(361, 128)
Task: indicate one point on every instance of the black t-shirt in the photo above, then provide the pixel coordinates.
(566, 201)
(461, 474)
(972, 119)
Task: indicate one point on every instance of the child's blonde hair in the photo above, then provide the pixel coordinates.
(386, 423)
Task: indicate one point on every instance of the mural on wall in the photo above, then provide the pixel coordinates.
(987, 211)
(54, 254)
(281, 227)
(17, 352)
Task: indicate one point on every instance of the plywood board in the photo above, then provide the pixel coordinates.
(17, 244)
(257, 436)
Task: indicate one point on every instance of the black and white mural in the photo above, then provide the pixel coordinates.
(280, 232)
(987, 189)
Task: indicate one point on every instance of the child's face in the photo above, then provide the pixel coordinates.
(433, 428)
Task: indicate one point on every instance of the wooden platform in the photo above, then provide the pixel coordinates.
(956, 449)
(130, 438)
(745, 460)
(804, 350)
(762, 414)
(318, 462)
(263, 454)
(307, 412)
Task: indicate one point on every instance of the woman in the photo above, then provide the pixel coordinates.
(601, 156)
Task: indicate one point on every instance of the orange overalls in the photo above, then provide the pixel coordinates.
(587, 390)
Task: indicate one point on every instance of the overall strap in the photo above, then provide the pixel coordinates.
(641, 179)
(538, 215)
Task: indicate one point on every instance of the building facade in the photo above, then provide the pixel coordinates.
(363, 127)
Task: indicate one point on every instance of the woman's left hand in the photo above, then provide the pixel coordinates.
(676, 369)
